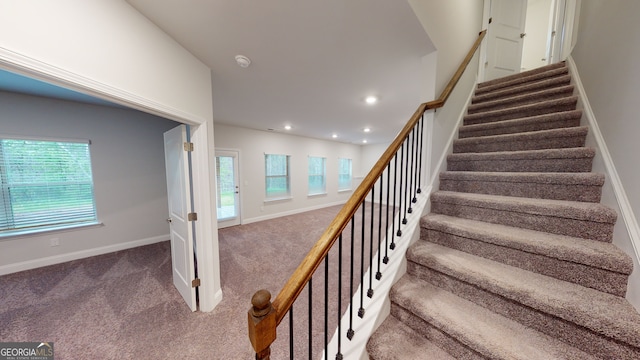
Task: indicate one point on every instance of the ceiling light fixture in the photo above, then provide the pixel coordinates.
(366, 130)
(243, 61)
(334, 136)
(287, 127)
(364, 141)
(371, 100)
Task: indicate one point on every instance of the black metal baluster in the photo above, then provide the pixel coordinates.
(326, 304)
(310, 318)
(406, 181)
(291, 333)
(420, 161)
(386, 224)
(373, 206)
(361, 310)
(400, 191)
(393, 217)
(379, 274)
(413, 142)
(350, 332)
(339, 354)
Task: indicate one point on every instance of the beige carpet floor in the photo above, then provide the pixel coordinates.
(123, 305)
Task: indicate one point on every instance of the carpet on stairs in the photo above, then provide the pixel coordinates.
(515, 260)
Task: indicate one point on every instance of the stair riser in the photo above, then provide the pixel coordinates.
(444, 340)
(522, 165)
(519, 144)
(519, 80)
(586, 193)
(518, 128)
(588, 276)
(521, 90)
(519, 112)
(571, 333)
(522, 99)
(540, 222)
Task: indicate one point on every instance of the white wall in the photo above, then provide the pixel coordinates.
(127, 154)
(106, 48)
(606, 56)
(253, 144)
(452, 26)
(537, 29)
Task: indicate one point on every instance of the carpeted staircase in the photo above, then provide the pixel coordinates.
(515, 260)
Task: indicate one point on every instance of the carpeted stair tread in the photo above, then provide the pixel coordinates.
(595, 264)
(507, 83)
(559, 186)
(394, 340)
(535, 123)
(491, 335)
(522, 99)
(523, 89)
(533, 140)
(589, 308)
(580, 219)
(545, 160)
(524, 74)
(540, 108)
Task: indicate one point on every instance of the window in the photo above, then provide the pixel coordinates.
(44, 185)
(317, 182)
(344, 174)
(277, 176)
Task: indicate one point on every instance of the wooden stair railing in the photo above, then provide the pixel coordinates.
(264, 316)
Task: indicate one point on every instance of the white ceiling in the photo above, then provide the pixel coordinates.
(313, 62)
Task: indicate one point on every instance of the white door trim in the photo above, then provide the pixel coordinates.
(204, 185)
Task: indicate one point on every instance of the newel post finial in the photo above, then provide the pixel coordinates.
(262, 324)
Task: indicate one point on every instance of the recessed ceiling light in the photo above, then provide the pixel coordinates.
(371, 100)
(366, 130)
(287, 127)
(243, 61)
(334, 136)
(364, 141)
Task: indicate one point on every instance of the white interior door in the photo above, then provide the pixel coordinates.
(228, 188)
(505, 38)
(179, 195)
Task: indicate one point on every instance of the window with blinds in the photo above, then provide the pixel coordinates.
(317, 178)
(45, 185)
(277, 180)
(344, 174)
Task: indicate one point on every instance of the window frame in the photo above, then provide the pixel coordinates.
(287, 177)
(39, 179)
(322, 175)
(349, 174)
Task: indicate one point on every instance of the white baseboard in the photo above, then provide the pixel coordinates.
(57, 259)
(290, 212)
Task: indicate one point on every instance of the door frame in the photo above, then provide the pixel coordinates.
(204, 185)
(566, 16)
(238, 182)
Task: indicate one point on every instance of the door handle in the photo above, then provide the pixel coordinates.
(523, 35)
(169, 220)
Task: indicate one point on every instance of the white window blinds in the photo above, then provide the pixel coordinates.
(45, 184)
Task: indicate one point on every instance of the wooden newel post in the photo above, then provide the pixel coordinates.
(262, 324)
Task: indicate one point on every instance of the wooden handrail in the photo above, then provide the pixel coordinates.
(310, 263)
(301, 276)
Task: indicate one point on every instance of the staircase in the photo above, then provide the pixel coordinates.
(515, 261)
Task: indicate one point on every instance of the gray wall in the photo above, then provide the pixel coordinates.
(127, 153)
(605, 55)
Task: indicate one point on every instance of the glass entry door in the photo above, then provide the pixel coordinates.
(228, 189)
